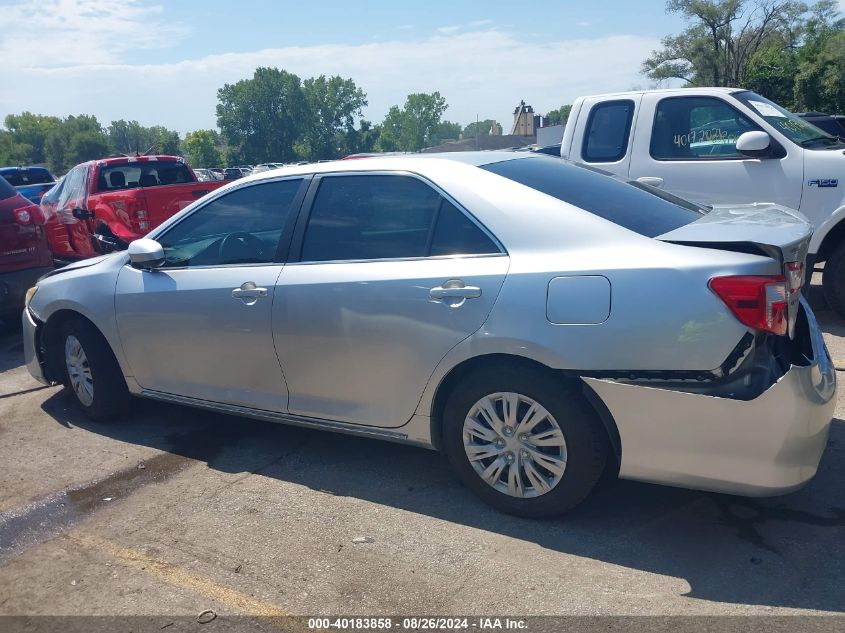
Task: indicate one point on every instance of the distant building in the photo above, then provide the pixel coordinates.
(525, 122)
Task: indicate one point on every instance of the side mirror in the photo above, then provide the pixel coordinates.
(754, 144)
(82, 214)
(146, 254)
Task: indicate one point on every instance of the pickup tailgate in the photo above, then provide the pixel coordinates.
(765, 228)
(164, 201)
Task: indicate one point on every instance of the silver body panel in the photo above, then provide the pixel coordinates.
(362, 346)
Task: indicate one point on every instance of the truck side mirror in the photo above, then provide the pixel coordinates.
(754, 144)
(145, 254)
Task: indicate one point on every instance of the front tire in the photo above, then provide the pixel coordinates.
(525, 443)
(90, 371)
(833, 280)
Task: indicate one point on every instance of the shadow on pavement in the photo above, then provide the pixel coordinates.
(785, 551)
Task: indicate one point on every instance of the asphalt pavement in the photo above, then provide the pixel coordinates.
(173, 511)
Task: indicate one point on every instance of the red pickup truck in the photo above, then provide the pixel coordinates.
(102, 205)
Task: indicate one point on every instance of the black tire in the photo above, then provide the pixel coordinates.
(586, 440)
(833, 280)
(110, 394)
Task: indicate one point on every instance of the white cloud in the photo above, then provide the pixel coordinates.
(481, 22)
(448, 30)
(47, 33)
(479, 72)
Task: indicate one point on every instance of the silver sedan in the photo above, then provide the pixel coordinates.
(539, 322)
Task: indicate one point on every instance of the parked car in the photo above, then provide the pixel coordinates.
(833, 124)
(536, 320)
(721, 146)
(204, 175)
(103, 205)
(232, 173)
(31, 182)
(24, 255)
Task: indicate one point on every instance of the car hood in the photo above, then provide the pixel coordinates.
(84, 263)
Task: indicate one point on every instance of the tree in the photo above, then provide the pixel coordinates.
(29, 133)
(261, 118)
(820, 79)
(722, 39)
(332, 104)
(559, 116)
(446, 131)
(363, 139)
(128, 137)
(412, 128)
(199, 148)
(75, 140)
(483, 128)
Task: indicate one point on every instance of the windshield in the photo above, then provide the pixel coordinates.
(635, 206)
(793, 127)
(23, 177)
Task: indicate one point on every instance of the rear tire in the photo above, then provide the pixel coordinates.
(90, 372)
(530, 490)
(833, 280)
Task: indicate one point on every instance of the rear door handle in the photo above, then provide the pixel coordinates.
(654, 181)
(455, 289)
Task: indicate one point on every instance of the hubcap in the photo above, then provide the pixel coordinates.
(515, 444)
(78, 371)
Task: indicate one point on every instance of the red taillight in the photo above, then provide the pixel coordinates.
(758, 302)
(30, 214)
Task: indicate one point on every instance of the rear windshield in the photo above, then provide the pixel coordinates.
(632, 205)
(22, 177)
(146, 174)
(6, 190)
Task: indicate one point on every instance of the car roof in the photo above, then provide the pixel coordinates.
(687, 91)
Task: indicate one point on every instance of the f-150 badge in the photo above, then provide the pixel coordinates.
(824, 182)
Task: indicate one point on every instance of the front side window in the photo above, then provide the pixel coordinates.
(240, 227)
(387, 217)
(608, 129)
(697, 128)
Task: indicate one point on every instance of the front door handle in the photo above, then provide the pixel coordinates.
(455, 289)
(653, 181)
(249, 293)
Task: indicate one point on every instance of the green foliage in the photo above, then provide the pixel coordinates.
(559, 116)
(413, 127)
(446, 131)
(128, 137)
(333, 103)
(483, 127)
(261, 118)
(723, 37)
(199, 148)
(75, 140)
(361, 140)
(29, 134)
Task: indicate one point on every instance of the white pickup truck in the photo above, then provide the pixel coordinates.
(721, 146)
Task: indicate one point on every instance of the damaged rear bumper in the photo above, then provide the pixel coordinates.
(769, 445)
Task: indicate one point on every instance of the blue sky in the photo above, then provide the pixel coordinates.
(161, 62)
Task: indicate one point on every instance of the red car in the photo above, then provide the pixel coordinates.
(102, 205)
(24, 255)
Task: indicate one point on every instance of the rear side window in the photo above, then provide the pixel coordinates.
(387, 217)
(608, 129)
(6, 190)
(29, 176)
(634, 207)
